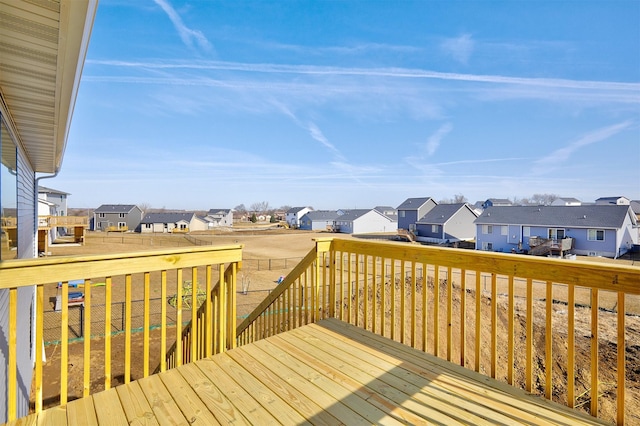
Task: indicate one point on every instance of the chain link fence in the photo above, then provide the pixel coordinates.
(99, 328)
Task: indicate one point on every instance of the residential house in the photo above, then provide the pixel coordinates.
(635, 206)
(596, 230)
(294, 214)
(496, 202)
(362, 221)
(44, 45)
(447, 223)
(172, 222)
(618, 201)
(58, 198)
(46, 208)
(52, 202)
(566, 201)
(318, 220)
(413, 209)
(219, 217)
(117, 217)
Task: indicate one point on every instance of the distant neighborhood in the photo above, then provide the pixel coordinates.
(562, 227)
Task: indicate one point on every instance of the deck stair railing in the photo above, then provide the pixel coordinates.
(198, 338)
(548, 326)
(211, 268)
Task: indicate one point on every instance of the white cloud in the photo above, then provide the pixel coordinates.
(397, 73)
(187, 35)
(434, 140)
(552, 161)
(459, 48)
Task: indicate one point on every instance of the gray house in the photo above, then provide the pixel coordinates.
(318, 220)
(447, 223)
(413, 209)
(117, 217)
(596, 230)
(360, 221)
(219, 217)
(172, 222)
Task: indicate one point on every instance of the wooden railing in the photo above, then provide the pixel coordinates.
(199, 340)
(51, 221)
(132, 272)
(65, 221)
(550, 326)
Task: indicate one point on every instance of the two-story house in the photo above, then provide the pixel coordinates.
(413, 209)
(119, 217)
(219, 217)
(294, 214)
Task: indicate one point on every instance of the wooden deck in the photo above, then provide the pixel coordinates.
(325, 373)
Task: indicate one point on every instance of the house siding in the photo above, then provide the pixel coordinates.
(454, 223)
(372, 221)
(26, 198)
(408, 217)
(131, 218)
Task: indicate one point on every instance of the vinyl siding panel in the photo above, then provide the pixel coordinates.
(27, 246)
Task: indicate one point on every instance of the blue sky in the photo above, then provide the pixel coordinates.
(353, 104)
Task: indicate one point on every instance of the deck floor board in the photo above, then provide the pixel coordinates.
(325, 373)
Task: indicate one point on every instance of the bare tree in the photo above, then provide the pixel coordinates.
(145, 207)
(459, 198)
(544, 199)
(240, 208)
(260, 207)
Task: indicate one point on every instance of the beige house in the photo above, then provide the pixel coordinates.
(172, 223)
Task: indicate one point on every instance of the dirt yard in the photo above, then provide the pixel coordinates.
(268, 255)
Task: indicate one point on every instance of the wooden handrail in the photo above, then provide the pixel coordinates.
(131, 270)
(461, 305)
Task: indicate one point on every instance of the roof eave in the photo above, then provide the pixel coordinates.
(76, 23)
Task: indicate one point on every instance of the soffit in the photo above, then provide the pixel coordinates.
(42, 49)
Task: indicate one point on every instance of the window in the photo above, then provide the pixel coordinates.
(556, 233)
(526, 231)
(595, 234)
(122, 225)
(123, 215)
(435, 229)
(402, 213)
(147, 225)
(487, 229)
(101, 215)
(504, 230)
(487, 246)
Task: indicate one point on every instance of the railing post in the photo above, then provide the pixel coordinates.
(231, 310)
(323, 245)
